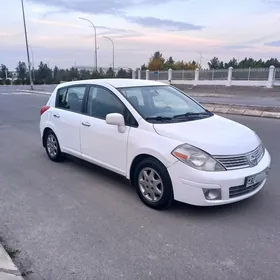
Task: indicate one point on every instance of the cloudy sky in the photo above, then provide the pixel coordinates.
(183, 29)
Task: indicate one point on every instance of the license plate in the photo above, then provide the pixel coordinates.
(255, 179)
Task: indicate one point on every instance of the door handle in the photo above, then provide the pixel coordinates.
(56, 115)
(86, 124)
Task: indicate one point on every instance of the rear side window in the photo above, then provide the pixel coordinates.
(71, 98)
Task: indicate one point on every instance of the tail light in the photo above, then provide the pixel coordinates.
(44, 109)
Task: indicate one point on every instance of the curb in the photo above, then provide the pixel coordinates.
(8, 270)
(245, 111)
(35, 91)
(231, 109)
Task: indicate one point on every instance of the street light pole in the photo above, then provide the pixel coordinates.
(95, 43)
(113, 53)
(32, 54)
(26, 43)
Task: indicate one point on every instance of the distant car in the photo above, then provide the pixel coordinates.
(167, 144)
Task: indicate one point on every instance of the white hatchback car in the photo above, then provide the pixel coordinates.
(168, 145)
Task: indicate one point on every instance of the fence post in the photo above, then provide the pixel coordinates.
(170, 75)
(270, 76)
(196, 76)
(133, 74)
(147, 74)
(229, 79)
(139, 74)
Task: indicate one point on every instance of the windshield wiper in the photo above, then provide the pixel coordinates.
(186, 115)
(158, 118)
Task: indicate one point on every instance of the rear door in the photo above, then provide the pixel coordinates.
(66, 117)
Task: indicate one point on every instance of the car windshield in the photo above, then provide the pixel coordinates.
(163, 104)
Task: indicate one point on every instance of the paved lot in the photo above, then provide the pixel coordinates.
(76, 221)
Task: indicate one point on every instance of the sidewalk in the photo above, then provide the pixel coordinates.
(8, 270)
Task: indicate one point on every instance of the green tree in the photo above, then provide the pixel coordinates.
(122, 74)
(56, 75)
(214, 63)
(4, 74)
(44, 74)
(21, 70)
(110, 73)
(156, 62)
(169, 63)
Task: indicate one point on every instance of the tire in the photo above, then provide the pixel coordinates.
(52, 147)
(153, 184)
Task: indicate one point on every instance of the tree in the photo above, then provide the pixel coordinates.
(56, 75)
(232, 63)
(169, 63)
(214, 63)
(44, 74)
(21, 70)
(156, 62)
(110, 73)
(122, 74)
(4, 72)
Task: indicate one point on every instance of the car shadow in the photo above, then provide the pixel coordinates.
(178, 209)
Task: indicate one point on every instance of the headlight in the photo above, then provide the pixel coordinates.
(196, 158)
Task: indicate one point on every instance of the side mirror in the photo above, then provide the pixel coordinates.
(116, 119)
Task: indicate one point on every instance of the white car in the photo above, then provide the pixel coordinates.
(168, 145)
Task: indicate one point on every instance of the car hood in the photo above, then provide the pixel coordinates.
(215, 135)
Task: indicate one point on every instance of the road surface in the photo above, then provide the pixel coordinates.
(75, 221)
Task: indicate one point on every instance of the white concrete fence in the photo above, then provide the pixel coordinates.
(257, 77)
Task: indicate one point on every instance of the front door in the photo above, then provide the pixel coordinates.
(101, 143)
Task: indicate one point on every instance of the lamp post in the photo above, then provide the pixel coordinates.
(26, 43)
(32, 55)
(113, 53)
(95, 43)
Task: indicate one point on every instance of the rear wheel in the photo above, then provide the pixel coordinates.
(52, 147)
(153, 184)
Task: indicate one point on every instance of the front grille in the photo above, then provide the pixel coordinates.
(241, 161)
(242, 190)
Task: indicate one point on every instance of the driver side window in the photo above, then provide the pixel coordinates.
(102, 102)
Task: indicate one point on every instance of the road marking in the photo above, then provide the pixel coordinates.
(15, 93)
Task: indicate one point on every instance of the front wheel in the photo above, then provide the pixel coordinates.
(153, 184)
(52, 147)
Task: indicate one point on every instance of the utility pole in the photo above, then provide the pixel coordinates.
(95, 43)
(113, 53)
(27, 49)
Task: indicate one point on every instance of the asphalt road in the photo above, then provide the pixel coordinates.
(75, 221)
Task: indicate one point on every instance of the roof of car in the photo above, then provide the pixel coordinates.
(117, 83)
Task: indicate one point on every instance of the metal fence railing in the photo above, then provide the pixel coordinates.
(277, 74)
(183, 75)
(220, 74)
(250, 74)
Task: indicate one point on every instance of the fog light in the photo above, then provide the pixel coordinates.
(212, 194)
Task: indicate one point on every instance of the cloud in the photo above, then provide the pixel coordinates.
(115, 7)
(116, 33)
(273, 44)
(167, 24)
(237, 47)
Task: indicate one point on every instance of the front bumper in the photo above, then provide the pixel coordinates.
(188, 183)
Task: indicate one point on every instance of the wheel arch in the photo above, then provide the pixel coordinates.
(44, 138)
(139, 158)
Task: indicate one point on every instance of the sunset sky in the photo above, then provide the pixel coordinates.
(182, 29)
